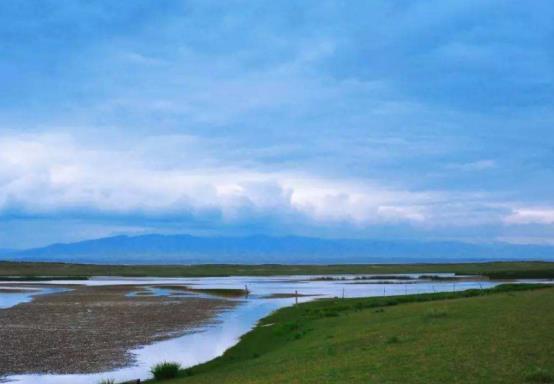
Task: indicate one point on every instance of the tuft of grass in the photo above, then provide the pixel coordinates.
(107, 381)
(166, 370)
(393, 340)
(540, 376)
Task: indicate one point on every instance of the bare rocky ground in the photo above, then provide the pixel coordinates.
(91, 329)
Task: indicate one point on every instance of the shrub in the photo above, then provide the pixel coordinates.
(107, 381)
(166, 370)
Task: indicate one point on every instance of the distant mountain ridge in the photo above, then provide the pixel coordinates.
(187, 249)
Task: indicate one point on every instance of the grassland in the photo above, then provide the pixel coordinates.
(497, 270)
(501, 336)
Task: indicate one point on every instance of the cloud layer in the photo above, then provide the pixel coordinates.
(425, 119)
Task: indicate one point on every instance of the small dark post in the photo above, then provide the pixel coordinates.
(295, 297)
(384, 291)
(246, 291)
(138, 381)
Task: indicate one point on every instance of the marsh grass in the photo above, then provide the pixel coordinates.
(107, 381)
(166, 370)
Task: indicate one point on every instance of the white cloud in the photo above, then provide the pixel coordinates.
(49, 174)
(184, 176)
(531, 216)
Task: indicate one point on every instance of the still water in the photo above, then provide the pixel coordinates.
(11, 295)
(208, 342)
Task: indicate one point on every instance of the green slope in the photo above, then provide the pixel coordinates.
(503, 336)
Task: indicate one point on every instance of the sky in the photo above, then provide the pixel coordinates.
(428, 120)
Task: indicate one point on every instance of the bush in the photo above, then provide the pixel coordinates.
(166, 370)
(107, 381)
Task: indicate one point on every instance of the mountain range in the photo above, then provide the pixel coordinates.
(187, 249)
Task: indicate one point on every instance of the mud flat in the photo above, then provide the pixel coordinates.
(91, 329)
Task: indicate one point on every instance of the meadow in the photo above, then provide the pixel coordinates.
(503, 335)
(493, 270)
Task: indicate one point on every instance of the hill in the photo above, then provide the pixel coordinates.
(186, 249)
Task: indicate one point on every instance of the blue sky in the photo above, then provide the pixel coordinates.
(368, 119)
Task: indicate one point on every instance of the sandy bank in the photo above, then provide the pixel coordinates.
(91, 329)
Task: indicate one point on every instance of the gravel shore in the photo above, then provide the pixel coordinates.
(91, 329)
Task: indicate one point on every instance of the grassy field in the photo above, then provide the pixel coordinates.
(499, 270)
(502, 336)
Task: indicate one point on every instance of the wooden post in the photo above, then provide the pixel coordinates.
(384, 291)
(246, 291)
(343, 293)
(295, 297)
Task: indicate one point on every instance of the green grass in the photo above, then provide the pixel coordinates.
(539, 375)
(41, 278)
(502, 335)
(505, 270)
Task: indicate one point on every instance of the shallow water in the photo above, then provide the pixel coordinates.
(211, 341)
(10, 299)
